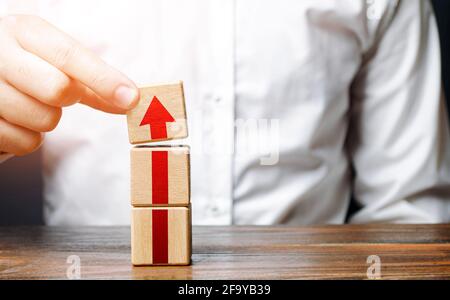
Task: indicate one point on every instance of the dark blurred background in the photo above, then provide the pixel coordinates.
(21, 179)
(442, 8)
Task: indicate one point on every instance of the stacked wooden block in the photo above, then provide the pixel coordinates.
(160, 178)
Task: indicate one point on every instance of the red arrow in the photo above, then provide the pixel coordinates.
(157, 116)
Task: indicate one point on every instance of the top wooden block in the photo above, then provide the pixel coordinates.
(160, 114)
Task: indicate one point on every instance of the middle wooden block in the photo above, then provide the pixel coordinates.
(160, 176)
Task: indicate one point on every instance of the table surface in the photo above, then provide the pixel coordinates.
(250, 252)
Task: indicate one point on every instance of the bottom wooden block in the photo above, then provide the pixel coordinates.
(161, 236)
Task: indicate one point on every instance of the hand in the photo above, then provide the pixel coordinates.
(41, 70)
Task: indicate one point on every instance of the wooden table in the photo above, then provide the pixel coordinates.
(405, 251)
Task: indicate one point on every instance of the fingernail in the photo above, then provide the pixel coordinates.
(124, 96)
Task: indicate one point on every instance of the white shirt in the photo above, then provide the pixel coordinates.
(300, 78)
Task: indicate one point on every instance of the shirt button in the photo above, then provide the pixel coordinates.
(212, 98)
(213, 210)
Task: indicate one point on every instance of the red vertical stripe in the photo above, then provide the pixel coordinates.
(160, 177)
(160, 240)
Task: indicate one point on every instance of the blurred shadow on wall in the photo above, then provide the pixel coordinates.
(21, 191)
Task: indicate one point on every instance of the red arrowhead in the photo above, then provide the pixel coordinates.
(157, 116)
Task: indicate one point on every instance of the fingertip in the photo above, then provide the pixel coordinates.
(135, 101)
(126, 97)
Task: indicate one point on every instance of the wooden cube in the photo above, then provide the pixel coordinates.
(160, 176)
(160, 114)
(161, 236)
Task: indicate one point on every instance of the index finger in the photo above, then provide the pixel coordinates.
(41, 38)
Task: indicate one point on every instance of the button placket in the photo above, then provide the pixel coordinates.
(221, 116)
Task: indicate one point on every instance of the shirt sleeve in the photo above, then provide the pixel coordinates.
(399, 132)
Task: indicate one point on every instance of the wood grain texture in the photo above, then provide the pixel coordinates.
(317, 252)
(178, 231)
(178, 175)
(171, 96)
